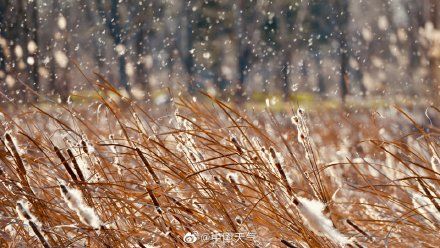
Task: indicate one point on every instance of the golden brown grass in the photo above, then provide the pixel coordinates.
(204, 167)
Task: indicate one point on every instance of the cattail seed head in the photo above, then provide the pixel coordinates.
(75, 202)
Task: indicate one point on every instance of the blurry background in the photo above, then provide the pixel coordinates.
(237, 49)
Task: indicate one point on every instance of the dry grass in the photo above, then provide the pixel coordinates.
(112, 174)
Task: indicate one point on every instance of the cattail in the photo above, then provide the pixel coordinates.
(277, 164)
(239, 220)
(79, 161)
(217, 179)
(84, 147)
(31, 220)
(66, 164)
(311, 212)
(357, 228)
(233, 179)
(353, 244)
(295, 120)
(300, 122)
(75, 165)
(435, 163)
(147, 164)
(192, 156)
(75, 202)
(287, 243)
(237, 145)
(19, 162)
(199, 206)
(21, 169)
(179, 204)
(141, 245)
(155, 201)
(87, 146)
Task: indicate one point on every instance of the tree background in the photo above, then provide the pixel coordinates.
(241, 49)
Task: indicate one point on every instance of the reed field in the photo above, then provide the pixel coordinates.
(204, 173)
(219, 123)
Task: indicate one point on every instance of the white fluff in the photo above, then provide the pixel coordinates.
(24, 210)
(316, 221)
(74, 200)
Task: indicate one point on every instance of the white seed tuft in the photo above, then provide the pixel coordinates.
(74, 200)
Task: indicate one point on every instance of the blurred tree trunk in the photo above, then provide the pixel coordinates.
(244, 54)
(52, 63)
(34, 26)
(286, 48)
(187, 43)
(414, 15)
(20, 43)
(116, 31)
(66, 43)
(304, 68)
(341, 15)
(292, 37)
(141, 26)
(97, 46)
(343, 81)
(172, 46)
(220, 82)
(59, 65)
(170, 61)
(171, 49)
(322, 88)
(243, 47)
(286, 75)
(4, 5)
(434, 59)
(141, 69)
(389, 9)
(359, 74)
(286, 63)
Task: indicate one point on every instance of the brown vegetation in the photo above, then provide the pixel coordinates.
(112, 174)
